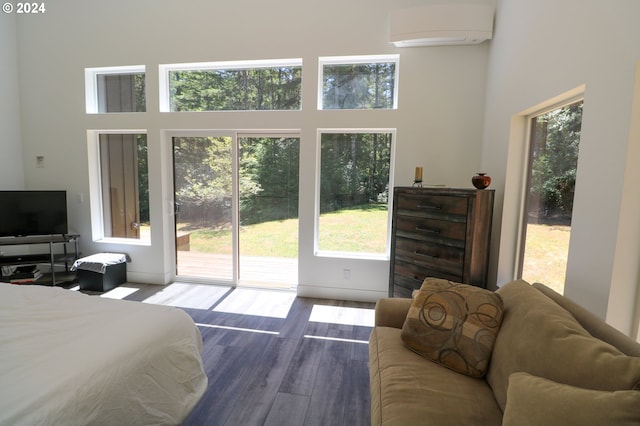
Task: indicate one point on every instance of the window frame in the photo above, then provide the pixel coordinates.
(354, 60)
(165, 69)
(92, 103)
(525, 176)
(96, 204)
(316, 232)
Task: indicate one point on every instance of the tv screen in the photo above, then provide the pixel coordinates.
(25, 213)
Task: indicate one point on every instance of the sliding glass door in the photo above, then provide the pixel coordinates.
(268, 210)
(203, 196)
(236, 204)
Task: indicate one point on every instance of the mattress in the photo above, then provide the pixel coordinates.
(67, 358)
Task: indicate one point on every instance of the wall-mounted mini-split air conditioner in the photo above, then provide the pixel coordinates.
(441, 25)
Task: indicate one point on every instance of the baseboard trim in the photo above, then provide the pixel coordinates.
(355, 295)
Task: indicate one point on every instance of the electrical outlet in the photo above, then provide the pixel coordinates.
(346, 273)
(40, 162)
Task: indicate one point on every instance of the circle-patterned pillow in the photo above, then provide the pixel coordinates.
(454, 325)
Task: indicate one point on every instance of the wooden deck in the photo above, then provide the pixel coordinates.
(260, 271)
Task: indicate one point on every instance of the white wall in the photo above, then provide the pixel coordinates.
(439, 121)
(11, 170)
(542, 49)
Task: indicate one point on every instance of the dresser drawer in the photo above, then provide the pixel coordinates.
(432, 230)
(433, 206)
(447, 259)
(411, 276)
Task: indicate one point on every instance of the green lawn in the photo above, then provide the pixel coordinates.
(351, 230)
(360, 230)
(546, 255)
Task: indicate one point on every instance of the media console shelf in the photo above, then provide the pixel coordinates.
(51, 256)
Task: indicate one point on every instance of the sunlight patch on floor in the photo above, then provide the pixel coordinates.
(336, 339)
(264, 303)
(182, 295)
(226, 327)
(119, 292)
(341, 315)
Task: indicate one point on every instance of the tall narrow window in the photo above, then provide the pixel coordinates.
(124, 186)
(358, 82)
(354, 192)
(553, 159)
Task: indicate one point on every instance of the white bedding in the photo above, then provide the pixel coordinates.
(71, 359)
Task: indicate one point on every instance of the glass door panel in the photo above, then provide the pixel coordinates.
(268, 210)
(203, 194)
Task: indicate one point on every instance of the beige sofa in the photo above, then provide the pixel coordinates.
(552, 362)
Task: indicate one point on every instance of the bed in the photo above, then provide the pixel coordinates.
(67, 358)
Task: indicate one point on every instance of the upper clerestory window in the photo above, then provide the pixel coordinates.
(273, 85)
(358, 82)
(115, 89)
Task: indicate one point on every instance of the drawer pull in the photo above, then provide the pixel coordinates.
(429, 207)
(419, 253)
(428, 230)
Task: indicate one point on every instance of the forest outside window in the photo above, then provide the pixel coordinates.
(232, 86)
(551, 181)
(358, 82)
(120, 187)
(115, 89)
(353, 202)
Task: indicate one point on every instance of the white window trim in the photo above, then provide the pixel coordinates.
(95, 188)
(316, 232)
(562, 101)
(164, 69)
(91, 82)
(358, 59)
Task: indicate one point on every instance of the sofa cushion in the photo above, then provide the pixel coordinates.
(593, 324)
(454, 325)
(539, 337)
(533, 401)
(407, 389)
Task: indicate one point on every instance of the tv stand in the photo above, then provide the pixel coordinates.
(49, 257)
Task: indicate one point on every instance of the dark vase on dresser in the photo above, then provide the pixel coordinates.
(442, 233)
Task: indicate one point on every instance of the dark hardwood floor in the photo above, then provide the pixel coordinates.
(279, 369)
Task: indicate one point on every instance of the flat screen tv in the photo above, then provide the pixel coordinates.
(28, 213)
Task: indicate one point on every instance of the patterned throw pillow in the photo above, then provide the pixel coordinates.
(454, 325)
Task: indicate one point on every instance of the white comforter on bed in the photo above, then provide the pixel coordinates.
(71, 359)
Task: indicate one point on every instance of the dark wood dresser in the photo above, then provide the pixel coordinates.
(439, 232)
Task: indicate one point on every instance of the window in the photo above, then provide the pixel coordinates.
(553, 159)
(232, 86)
(353, 199)
(119, 186)
(358, 82)
(115, 89)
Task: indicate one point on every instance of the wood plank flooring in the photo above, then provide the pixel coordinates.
(272, 366)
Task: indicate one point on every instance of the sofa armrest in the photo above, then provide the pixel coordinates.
(392, 312)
